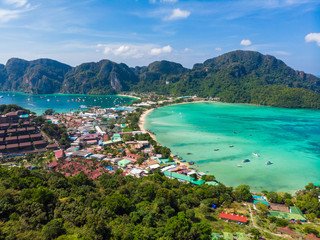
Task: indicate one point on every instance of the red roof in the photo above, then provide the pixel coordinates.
(234, 217)
(53, 164)
(131, 155)
(59, 154)
(105, 138)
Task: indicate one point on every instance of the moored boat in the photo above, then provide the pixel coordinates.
(255, 154)
(246, 160)
(239, 165)
(269, 163)
(216, 149)
(231, 146)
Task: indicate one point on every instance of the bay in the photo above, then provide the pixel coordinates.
(289, 138)
(61, 102)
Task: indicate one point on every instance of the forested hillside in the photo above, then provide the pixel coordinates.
(45, 206)
(238, 76)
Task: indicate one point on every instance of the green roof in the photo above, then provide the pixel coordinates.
(242, 236)
(163, 160)
(124, 162)
(215, 236)
(198, 182)
(178, 176)
(257, 201)
(227, 236)
(296, 210)
(286, 215)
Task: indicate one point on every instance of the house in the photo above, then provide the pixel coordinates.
(233, 217)
(59, 154)
(132, 160)
(11, 140)
(115, 160)
(24, 138)
(13, 147)
(52, 147)
(31, 130)
(40, 144)
(12, 132)
(2, 148)
(134, 156)
(136, 172)
(52, 165)
(123, 163)
(36, 136)
(25, 146)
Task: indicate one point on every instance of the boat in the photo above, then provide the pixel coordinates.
(239, 165)
(255, 154)
(235, 132)
(83, 106)
(246, 160)
(231, 146)
(269, 163)
(48, 100)
(41, 97)
(1, 96)
(188, 153)
(216, 149)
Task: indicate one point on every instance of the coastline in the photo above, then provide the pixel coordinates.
(142, 121)
(130, 96)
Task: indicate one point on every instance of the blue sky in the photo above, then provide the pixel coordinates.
(138, 32)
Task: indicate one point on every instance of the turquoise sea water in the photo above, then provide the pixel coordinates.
(61, 102)
(289, 138)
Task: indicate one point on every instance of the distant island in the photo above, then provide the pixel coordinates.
(236, 77)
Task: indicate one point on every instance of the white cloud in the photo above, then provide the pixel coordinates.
(132, 50)
(6, 15)
(218, 49)
(313, 37)
(245, 42)
(177, 14)
(16, 3)
(18, 7)
(158, 51)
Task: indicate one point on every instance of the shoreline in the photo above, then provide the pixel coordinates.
(142, 121)
(130, 96)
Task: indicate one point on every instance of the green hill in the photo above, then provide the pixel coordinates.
(238, 76)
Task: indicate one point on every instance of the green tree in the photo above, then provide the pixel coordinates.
(49, 112)
(53, 229)
(242, 193)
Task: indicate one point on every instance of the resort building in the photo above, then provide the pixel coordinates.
(233, 217)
